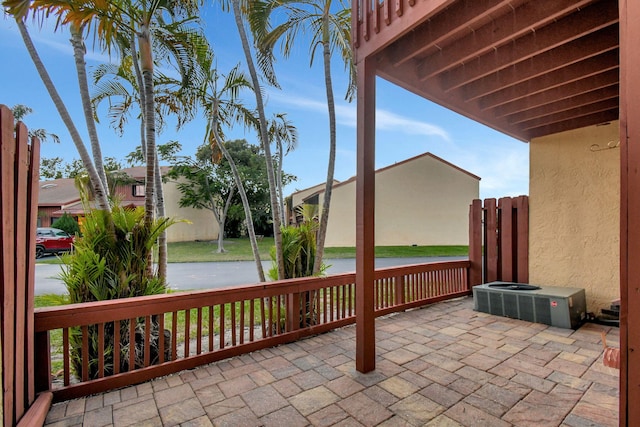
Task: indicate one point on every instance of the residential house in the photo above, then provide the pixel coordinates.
(421, 201)
(559, 75)
(60, 196)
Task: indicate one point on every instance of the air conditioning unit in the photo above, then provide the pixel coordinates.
(555, 306)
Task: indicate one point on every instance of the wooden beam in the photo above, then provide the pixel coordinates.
(573, 113)
(629, 414)
(365, 217)
(461, 16)
(510, 26)
(552, 79)
(592, 119)
(556, 94)
(609, 92)
(574, 27)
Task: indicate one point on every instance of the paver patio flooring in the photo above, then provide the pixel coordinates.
(442, 365)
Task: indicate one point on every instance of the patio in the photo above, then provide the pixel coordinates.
(444, 364)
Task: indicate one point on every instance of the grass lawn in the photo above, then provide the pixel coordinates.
(240, 250)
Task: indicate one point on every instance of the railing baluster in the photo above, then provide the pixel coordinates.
(174, 335)
(211, 328)
(242, 322)
(187, 330)
(100, 327)
(222, 333)
(199, 332)
(252, 316)
(85, 353)
(263, 318)
(233, 324)
(147, 341)
(161, 340)
(132, 344)
(117, 347)
(66, 356)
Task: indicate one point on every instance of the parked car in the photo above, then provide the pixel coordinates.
(52, 241)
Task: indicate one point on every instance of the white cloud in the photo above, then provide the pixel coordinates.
(346, 115)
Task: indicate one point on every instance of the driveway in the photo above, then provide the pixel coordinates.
(210, 275)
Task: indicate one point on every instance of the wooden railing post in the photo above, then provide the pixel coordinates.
(42, 372)
(400, 292)
(475, 244)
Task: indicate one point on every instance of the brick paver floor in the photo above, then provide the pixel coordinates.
(442, 365)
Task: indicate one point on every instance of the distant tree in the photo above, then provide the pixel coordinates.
(205, 185)
(67, 223)
(20, 111)
(51, 168)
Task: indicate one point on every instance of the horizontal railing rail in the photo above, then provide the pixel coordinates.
(88, 348)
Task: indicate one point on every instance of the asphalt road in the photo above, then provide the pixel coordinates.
(210, 275)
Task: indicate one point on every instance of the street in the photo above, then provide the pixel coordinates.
(210, 275)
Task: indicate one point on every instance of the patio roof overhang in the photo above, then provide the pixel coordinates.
(527, 68)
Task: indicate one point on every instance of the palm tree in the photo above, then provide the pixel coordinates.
(19, 10)
(264, 135)
(282, 130)
(223, 107)
(327, 29)
(20, 111)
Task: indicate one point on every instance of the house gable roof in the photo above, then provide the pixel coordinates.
(398, 164)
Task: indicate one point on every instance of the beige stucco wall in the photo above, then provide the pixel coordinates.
(574, 198)
(422, 201)
(202, 226)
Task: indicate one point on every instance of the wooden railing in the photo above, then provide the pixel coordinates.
(375, 22)
(201, 327)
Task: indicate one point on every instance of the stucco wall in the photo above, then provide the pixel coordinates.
(423, 201)
(574, 197)
(202, 226)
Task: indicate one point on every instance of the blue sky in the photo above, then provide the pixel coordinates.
(407, 125)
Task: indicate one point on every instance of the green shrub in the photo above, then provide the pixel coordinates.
(67, 223)
(111, 261)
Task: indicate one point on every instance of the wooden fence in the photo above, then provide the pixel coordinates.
(502, 229)
(19, 162)
(189, 329)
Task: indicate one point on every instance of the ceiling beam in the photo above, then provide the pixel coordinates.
(510, 26)
(597, 95)
(540, 73)
(573, 27)
(572, 113)
(572, 89)
(594, 119)
(559, 77)
(460, 16)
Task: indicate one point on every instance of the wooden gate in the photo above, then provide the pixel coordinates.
(18, 210)
(502, 230)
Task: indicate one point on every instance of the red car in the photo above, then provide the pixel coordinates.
(52, 241)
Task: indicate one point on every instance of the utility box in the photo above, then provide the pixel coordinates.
(555, 306)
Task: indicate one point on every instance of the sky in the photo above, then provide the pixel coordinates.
(406, 125)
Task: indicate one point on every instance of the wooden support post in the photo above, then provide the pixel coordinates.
(522, 233)
(490, 241)
(629, 11)
(475, 244)
(506, 239)
(365, 218)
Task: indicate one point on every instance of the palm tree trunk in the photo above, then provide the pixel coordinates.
(81, 69)
(99, 191)
(264, 139)
(243, 196)
(146, 62)
(324, 217)
(162, 238)
(279, 178)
